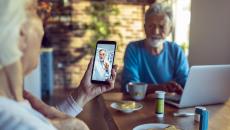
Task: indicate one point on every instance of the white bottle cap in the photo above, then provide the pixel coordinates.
(197, 116)
(160, 94)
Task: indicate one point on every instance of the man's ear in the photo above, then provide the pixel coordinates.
(170, 29)
(169, 24)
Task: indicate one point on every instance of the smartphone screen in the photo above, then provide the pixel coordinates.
(103, 61)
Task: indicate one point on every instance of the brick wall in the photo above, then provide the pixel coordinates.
(70, 50)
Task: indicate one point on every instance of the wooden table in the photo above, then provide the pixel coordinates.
(116, 120)
(98, 114)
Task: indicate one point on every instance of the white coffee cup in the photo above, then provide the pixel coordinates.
(137, 90)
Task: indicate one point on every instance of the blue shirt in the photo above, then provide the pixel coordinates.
(141, 66)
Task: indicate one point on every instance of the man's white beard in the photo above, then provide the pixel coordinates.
(155, 43)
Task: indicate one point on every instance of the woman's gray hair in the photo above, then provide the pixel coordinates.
(12, 17)
(158, 8)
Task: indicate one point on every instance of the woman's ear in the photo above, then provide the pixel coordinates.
(22, 41)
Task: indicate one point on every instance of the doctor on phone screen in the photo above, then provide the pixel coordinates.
(101, 69)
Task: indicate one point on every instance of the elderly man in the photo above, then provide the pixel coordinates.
(160, 63)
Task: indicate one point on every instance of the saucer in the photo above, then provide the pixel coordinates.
(157, 126)
(126, 106)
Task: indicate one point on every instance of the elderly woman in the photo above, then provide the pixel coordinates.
(10, 66)
(15, 112)
(21, 34)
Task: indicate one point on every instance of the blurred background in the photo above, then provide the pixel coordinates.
(74, 26)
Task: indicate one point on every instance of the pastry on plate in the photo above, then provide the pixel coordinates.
(171, 127)
(127, 105)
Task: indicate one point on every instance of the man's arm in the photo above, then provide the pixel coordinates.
(130, 70)
(170, 87)
(181, 68)
(179, 77)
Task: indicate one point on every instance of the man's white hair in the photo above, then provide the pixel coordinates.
(158, 8)
(12, 16)
(102, 50)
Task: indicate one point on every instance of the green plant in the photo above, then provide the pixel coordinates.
(100, 24)
(185, 47)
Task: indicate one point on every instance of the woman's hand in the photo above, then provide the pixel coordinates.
(82, 95)
(88, 90)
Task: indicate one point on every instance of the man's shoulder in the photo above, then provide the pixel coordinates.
(135, 44)
(174, 49)
(172, 46)
(171, 43)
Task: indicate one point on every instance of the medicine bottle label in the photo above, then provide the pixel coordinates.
(159, 106)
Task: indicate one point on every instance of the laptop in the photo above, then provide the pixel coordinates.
(207, 84)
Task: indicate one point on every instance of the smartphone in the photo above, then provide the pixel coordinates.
(103, 61)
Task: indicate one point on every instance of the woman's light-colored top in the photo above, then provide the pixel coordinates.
(70, 107)
(21, 116)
